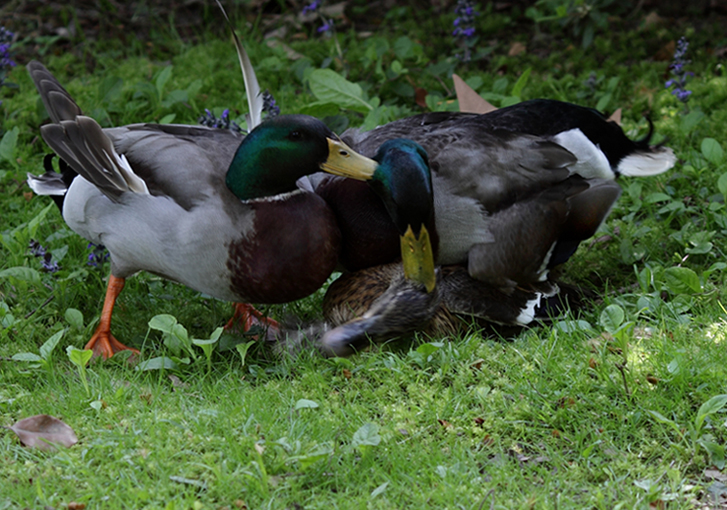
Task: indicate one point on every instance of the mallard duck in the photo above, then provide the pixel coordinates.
(202, 207)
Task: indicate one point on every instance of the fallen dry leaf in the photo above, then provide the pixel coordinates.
(469, 100)
(420, 96)
(516, 49)
(44, 432)
(714, 474)
(445, 424)
(76, 506)
(346, 373)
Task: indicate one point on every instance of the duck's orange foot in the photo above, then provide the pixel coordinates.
(104, 344)
(246, 317)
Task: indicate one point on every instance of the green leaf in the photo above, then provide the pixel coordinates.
(367, 435)
(162, 362)
(213, 339)
(712, 150)
(611, 318)
(427, 349)
(320, 109)
(162, 80)
(243, 348)
(711, 406)
(74, 318)
(39, 218)
(79, 357)
(664, 420)
(26, 356)
(521, 82)
(716, 451)
(163, 322)
(47, 348)
(7, 146)
(330, 87)
(305, 404)
(722, 185)
(379, 490)
(681, 280)
(22, 273)
(690, 121)
(168, 119)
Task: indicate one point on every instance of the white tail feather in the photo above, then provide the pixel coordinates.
(643, 164)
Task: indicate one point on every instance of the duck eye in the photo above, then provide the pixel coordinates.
(295, 135)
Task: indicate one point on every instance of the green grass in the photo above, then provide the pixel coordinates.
(560, 416)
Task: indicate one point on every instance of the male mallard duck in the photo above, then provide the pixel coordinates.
(161, 199)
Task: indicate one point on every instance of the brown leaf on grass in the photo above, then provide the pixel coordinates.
(73, 505)
(346, 373)
(44, 432)
(516, 49)
(420, 96)
(469, 100)
(666, 53)
(445, 424)
(714, 474)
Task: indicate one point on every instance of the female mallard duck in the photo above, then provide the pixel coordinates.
(161, 199)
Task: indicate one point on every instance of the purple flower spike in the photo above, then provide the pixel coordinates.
(679, 81)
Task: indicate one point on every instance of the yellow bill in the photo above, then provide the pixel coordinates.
(343, 161)
(418, 259)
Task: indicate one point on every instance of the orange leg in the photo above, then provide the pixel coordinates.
(247, 316)
(103, 342)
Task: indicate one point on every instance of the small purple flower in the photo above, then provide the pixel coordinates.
(269, 106)
(676, 68)
(6, 39)
(98, 255)
(210, 120)
(47, 263)
(326, 27)
(464, 32)
(312, 7)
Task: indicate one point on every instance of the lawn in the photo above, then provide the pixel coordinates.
(618, 405)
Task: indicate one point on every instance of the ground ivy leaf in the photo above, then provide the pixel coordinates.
(44, 432)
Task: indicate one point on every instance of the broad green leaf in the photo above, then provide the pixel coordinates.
(74, 318)
(26, 356)
(711, 406)
(330, 87)
(367, 435)
(162, 362)
(168, 119)
(611, 318)
(47, 348)
(681, 280)
(715, 450)
(652, 198)
(320, 109)
(22, 273)
(427, 349)
(243, 348)
(304, 403)
(79, 357)
(7, 146)
(319, 454)
(712, 150)
(163, 322)
(690, 121)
